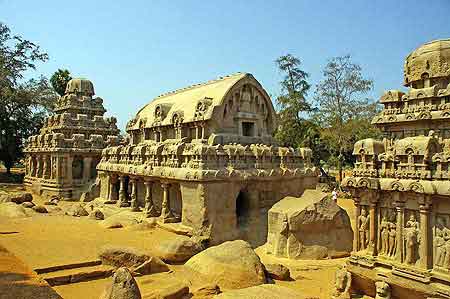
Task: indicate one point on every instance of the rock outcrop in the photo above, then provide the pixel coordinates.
(265, 291)
(231, 265)
(135, 260)
(179, 249)
(122, 219)
(18, 198)
(12, 210)
(278, 272)
(77, 210)
(310, 227)
(123, 286)
(122, 256)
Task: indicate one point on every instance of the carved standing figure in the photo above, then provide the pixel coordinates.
(384, 228)
(412, 227)
(392, 239)
(363, 226)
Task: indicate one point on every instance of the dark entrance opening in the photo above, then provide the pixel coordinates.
(242, 209)
(248, 129)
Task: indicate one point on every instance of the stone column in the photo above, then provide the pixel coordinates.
(149, 210)
(58, 176)
(33, 167)
(373, 223)
(87, 168)
(123, 202)
(134, 202)
(69, 161)
(425, 249)
(166, 213)
(400, 208)
(112, 192)
(45, 167)
(196, 132)
(203, 131)
(356, 230)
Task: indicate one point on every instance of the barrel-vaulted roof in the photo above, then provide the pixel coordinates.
(186, 101)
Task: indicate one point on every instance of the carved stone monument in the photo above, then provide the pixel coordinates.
(62, 159)
(204, 157)
(401, 185)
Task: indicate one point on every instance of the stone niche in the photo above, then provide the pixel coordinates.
(62, 159)
(203, 158)
(401, 188)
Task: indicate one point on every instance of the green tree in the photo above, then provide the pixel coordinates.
(59, 80)
(24, 103)
(343, 111)
(292, 103)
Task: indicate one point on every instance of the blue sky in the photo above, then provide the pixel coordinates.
(136, 50)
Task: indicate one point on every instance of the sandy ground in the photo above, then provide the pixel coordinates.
(17, 280)
(49, 240)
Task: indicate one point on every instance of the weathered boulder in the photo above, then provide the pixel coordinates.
(77, 210)
(310, 227)
(18, 198)
(40, 209)
(151, 266)
(278, 272)
(28, 204)
(174, 291)
(12, 210)
(179, 249)
(206, 291)
(122, 256)
(231, 265)
(123, 286)
(122, 219)
(265, 291)
(96, 214)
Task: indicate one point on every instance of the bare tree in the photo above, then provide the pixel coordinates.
(342, 104)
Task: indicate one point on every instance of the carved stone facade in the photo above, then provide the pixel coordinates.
(62, 159)
(203, 157)
(401, 185)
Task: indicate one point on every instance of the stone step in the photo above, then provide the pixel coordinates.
(74, 275)
(67, 266)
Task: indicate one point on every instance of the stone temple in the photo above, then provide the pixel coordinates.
(62, 159)
(203, 158)
(401, 185)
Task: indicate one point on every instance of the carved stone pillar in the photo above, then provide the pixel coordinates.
(33, 167)
(373, 223)
(196, 132)
(149, 210)
(87, 168)
(356, 230)
(123, 201)
(112, 192)
(425, 249)
(45, 167)
(166, 213)
(400, 208)
(134, 202)
(69, 161)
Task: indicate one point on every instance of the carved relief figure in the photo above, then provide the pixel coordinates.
(411, 240)
(442, 243)
(392, 239)
(384, 229)
(363, 226)
(343, 281)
